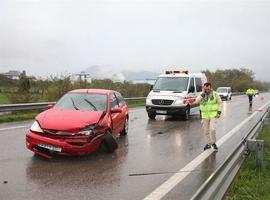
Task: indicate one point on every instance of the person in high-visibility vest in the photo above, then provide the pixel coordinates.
(210, 104)
(250, 92)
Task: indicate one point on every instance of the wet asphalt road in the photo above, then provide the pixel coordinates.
(152, 152)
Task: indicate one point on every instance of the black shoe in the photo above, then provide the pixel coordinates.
(208, 146)
(215, 147)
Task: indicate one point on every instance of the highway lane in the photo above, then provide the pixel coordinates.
(151, 153)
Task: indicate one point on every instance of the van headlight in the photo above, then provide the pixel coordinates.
(36, 127)
(148, 101)
(178, 101)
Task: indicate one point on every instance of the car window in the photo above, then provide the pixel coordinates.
(191, 85)
(120, 98)
(113, 101)
(198, 84)
(83, 101)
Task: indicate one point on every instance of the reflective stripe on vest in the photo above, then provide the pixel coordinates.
(209, 108)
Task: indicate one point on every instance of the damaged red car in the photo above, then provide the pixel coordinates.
(79, 123)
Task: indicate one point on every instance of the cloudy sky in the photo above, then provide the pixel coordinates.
(66, 36)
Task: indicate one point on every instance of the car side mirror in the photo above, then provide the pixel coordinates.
(191, 89)
(116, 110)
(151, 87)
(49, 106)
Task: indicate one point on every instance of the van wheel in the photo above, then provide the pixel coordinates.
(186, 113)
(109, 142)
(151, 115)
(125, 130)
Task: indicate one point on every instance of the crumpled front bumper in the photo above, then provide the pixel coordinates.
(33, 139)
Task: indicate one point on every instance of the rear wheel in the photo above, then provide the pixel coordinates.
(109, 142)
(151, 115)
(125, 130)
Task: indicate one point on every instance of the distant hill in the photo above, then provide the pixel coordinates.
(139, 75)
(99, 72)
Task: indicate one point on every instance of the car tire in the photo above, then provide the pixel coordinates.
(151, 115)
(186, 113)
(109, 142)
(125, 130)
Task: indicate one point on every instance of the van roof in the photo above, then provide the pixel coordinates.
(183, 75)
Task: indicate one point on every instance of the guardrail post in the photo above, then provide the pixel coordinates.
(257, 146)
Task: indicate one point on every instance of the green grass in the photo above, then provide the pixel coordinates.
(135, 104)
(3, 99)
(252, 183)
(18, 116)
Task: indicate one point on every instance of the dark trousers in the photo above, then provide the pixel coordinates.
(250, 97)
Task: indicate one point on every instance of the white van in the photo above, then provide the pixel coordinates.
(225, 93)
(172, 93)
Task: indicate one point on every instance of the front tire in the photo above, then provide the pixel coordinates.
(151, 115)
(186, 115)
(109, 142)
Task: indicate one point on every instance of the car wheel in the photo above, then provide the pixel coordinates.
(125, 130)
(151, 115)
(109, 142)
(186, 114)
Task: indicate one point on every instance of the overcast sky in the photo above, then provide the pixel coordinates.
(66, 36)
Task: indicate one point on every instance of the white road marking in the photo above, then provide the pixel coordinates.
(175, 179)
(10, 128)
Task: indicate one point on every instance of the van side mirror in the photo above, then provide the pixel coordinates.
(151, 87)
(191, 89)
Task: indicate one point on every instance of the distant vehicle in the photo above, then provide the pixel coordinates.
(256, 92)
(173, 92)
(225, 93)
(79, 123)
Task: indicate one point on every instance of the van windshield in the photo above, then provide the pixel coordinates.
(177, 84)
(222, 90)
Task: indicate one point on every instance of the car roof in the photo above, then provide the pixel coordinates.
(99, 91)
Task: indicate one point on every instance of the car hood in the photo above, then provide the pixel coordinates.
(72, 120)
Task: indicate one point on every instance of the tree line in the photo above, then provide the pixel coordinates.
(27, 89)
(238, 79)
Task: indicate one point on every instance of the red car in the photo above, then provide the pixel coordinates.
(79, 123)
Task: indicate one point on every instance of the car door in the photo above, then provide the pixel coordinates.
(123, 107)
(191, 90)
(116, 117)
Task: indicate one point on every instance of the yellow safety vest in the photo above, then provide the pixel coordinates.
(209, 108)
(250, 92)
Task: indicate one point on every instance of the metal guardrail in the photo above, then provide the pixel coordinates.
(43, 105)
(216, 186)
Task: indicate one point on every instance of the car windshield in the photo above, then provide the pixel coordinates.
(222, 90)
(178, 84)
(83, 101)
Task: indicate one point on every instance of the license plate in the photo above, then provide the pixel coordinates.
(161, 111)
(52, 148)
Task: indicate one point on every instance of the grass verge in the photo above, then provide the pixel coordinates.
(18, 116)
(252, 183)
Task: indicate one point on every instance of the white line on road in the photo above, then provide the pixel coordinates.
(175, 179)
(10, 128)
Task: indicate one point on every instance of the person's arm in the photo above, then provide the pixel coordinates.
(198, 99)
